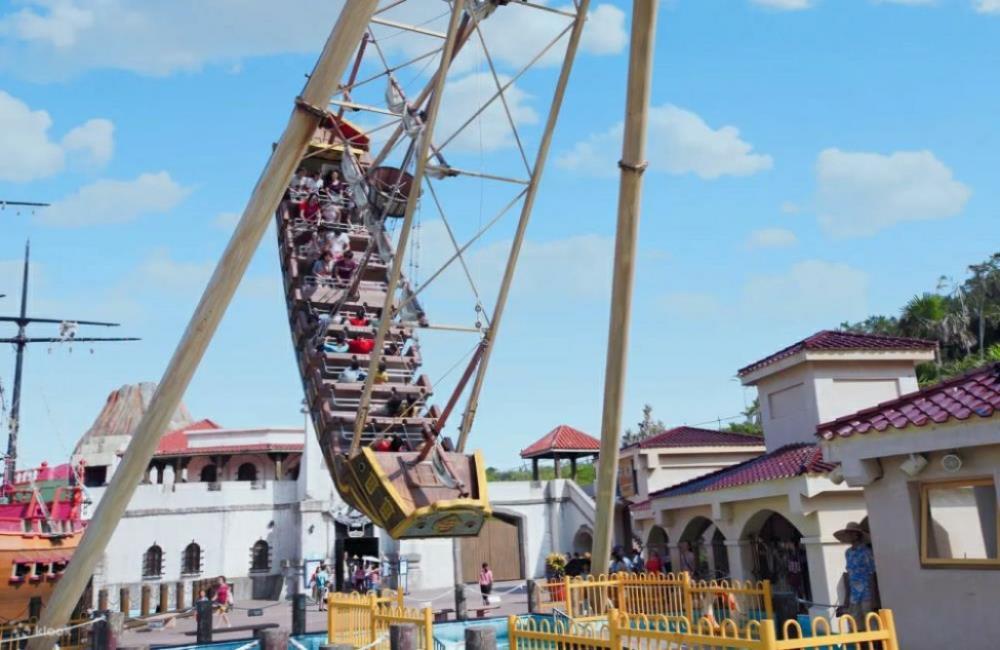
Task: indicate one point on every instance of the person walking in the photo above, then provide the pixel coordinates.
(485, 583)
(223, 600)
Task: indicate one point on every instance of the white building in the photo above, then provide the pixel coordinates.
(929, 463)
(774, 516)
(259, 506)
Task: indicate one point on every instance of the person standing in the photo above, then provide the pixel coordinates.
(321, 585)
(485, 583)
(653, 564)
(860, 573)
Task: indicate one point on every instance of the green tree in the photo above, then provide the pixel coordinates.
(751, 421)
(647, 427)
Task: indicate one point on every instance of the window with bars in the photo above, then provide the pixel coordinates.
(191, 562)
(152, 562)
(260, 556)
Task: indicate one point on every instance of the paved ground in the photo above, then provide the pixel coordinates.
(513, 600)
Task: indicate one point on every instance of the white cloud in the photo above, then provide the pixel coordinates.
(771, 238)
(113, 201)
(61, 37)
(58, 26)
(680, 142)
(816, 290)
(784, 5)
(490, 130)
(27, 151)
(987, 6)
(94, 138)
(860, 193)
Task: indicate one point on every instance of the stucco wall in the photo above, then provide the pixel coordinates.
(934, 607)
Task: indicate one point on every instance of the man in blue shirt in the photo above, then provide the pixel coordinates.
(860, 587)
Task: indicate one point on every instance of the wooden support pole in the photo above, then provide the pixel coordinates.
(274, 639)
(145, 600)
(422, 149)
(632, 164)
(180, 600)
(102, 600)
(124, 601)
(163, 605)
(522, 224)
(263, 202)
(481, 637)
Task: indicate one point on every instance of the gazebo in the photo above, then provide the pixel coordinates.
(562, 442)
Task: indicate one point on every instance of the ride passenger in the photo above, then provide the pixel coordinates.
(345, 266)
(338, 345)
(352, 373)
(311, 209)
(324, 266)
(382, 376)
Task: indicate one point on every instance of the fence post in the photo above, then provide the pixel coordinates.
(102, 600)
(768, 600)
(428, 628)
(461, 613)
(688, 598)
(298, 614)
(402, 636)
(532, 596)
(274, 639)
(330, 620)
(480, 637)
(614, 639)
(512, 632)
(203, 618)
(567, 597)
(768, 637)
(99, 633)
(889, 625)
(116, 626)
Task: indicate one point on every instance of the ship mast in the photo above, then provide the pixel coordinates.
(21, 342)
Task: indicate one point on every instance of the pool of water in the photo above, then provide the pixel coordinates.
(451, 635)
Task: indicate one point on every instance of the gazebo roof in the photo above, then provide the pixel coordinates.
(564, 441)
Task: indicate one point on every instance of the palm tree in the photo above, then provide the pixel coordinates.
(938, 318)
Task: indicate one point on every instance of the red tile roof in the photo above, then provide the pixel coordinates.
(695, 437)
(562, 438)
(834, 340)
(176, 443)
(786, 462)
(974, 393)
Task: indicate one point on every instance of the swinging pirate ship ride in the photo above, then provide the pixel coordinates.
(355, 307)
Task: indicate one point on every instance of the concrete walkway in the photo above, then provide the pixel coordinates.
(513, 600)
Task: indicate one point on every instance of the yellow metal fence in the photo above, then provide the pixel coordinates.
(593, 597)
(619, 631)
(364, 619)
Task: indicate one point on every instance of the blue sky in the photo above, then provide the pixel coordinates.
(810, 162)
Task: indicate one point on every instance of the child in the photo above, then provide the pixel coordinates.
(485, 583)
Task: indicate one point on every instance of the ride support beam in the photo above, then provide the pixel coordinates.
(632, 165)
(522, 223)
(422, 150)
(322, 83)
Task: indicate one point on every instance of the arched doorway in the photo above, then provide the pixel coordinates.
(583, 541)
(777, 553)
(694, 550)
(246, 472)
(209, 474)
(657, 543)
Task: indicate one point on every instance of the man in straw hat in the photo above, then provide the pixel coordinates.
(860, 573)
